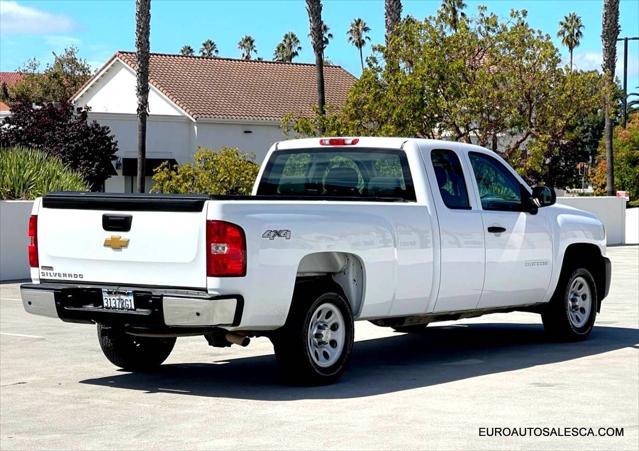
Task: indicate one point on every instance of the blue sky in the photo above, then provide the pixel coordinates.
(98, 28)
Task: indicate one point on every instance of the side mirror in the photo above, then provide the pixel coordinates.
(545, 195)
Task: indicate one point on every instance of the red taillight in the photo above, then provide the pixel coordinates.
(225, 250)
(33, 245)
(338, 141)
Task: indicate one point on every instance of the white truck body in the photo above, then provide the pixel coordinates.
(396, 261)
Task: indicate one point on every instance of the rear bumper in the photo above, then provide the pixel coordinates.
(155, 308)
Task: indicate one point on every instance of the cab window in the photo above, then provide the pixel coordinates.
(498, 187)
(450, 179)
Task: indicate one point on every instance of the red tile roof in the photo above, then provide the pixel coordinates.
(4, 107)
(224, 88)
(10, 78)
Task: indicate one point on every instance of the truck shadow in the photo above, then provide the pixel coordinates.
(384, 365)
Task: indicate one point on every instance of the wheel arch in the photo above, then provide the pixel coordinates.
(588, 256)
(344, 269)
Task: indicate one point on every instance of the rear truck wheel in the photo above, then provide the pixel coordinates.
(315, 345)
(133, 353)
(412, 329)
(570, 314)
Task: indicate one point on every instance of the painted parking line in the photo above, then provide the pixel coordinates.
(20, 335)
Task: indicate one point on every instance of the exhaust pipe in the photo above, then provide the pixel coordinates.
(237, 339)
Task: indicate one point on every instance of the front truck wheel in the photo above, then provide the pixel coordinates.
(570, 314)
(315, 345)
(133, 353)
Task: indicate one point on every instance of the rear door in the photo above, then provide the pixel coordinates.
(518, 243)
(123, 240)
(460, 228)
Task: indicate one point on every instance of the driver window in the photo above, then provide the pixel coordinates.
(498, 188)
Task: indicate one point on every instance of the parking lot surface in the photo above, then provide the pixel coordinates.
(429, 391)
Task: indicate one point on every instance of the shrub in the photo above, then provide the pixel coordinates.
(227, 171)
(28, 173)
(58, 130)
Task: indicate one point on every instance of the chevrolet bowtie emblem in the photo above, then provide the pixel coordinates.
(116, 242)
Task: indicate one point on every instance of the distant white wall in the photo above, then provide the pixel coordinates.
(632, 226)
(14, 223)
(248, 137)
(610, 210)
(166, 137)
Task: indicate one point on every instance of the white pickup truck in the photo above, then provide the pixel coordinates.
(400, 232)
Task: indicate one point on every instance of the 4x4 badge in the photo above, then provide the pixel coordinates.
(272, 234)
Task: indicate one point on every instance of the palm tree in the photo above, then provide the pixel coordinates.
(357, 35)
(319, 41)
(327, 35)
(609, 34)
(247, 46)
(288, 49)
(570, 32)
(208, 49)
(452, 12)
(142, 45)
(392, 15)
(187, 50)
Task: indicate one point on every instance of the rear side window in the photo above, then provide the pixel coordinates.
(376, 174)
(450, 179)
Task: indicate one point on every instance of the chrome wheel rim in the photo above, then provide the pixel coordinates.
(579, 302)
(326, 335)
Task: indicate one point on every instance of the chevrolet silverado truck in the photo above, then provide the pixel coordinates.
(400, 232)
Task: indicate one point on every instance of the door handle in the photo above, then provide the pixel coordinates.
(496, 229)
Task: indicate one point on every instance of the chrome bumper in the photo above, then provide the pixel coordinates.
(154, 307)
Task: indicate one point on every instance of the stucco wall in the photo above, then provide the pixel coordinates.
(14, 223)
(610, 210)
(632, 226)
(258, 141)
(114, 92)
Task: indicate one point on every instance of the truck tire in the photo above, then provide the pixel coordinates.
(570, 314)
(133, 353)
(315, 345)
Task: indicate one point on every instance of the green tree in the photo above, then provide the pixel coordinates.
(451, 89)
(187, 50)
(452, 12)
(209, 49)
(288, 49)
(609, 35)
(247, 46)
(626, 146)
(570, 32)
(57, 83)
(28, 173)
(143, 54)
(227, 171)
(358, 35)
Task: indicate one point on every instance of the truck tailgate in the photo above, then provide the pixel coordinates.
(87, 238)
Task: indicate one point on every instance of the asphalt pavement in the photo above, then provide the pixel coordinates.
(448, 388)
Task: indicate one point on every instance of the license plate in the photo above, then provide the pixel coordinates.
(117, 300)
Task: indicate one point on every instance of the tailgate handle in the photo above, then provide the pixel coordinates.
(117, 223)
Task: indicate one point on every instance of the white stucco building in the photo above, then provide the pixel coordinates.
(198, 101)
